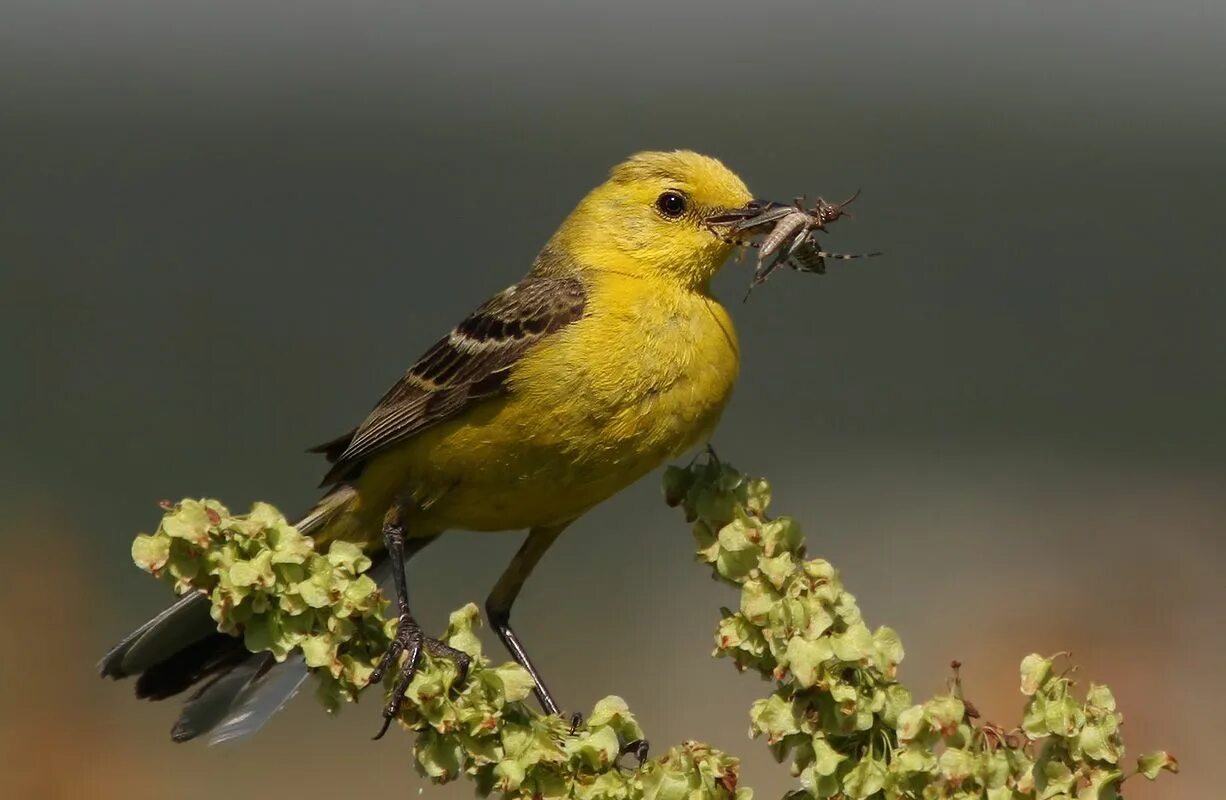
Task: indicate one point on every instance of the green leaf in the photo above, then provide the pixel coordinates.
(348, 556)
(1100, 699)
(1004, 793)
(319, 651)
(663, 784)
(517, 684)
(845, 608)
(956, 765)
(773, 716)
(1102, 784)
(856, 644)
(804, 658)
(1098, 744)
(677, 483)
(151, 552)
(820, 786)
(739, 552)
(706, 542)
(361, 592)
(460, 633)
(992, 768)
(438, 756)
(189, 521)
(1064, 717)
(511, 774)
(264, 634)
(1153, 763)
(1055, 779)
(816, 618)
(613, 712)
(897, 700)
(713, 506)
(781, 536)
(736, 633)
(911, 723)
(777, 570)
(888, 650)
(944, 713)
(826, 759)
(288, 545)
(757, 496)
(598, 748)
(864, 779)
(1035, 671)
(757, 600)
(827, 587)
(244, 573)
(913, 757)
(1034, 719)
(314, 592)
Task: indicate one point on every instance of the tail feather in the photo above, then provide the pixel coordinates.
(180, 625)
(215, 654)
(266, 692)
(208, 706)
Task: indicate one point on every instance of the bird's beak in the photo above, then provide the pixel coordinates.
(728, 216)
(732, 221)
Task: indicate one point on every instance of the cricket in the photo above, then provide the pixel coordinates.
(788, 235)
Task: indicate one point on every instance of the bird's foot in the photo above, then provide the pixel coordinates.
(569, 727)
(635, 747)
(411, 641)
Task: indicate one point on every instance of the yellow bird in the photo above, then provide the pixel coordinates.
(610, 357)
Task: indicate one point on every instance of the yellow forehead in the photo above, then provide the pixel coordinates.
(707, 181)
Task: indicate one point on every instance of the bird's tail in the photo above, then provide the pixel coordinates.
(181, 648)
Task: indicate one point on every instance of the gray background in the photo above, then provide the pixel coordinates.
(225, 228)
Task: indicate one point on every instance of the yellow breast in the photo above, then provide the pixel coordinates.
(642, 377)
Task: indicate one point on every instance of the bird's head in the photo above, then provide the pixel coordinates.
(650, 218)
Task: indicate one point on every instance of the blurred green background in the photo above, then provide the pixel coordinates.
(225, 228)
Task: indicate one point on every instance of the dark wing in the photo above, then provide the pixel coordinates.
(468, 365)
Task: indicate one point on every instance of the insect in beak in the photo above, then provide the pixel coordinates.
(786, 231)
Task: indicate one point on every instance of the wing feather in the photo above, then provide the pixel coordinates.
(467, 366)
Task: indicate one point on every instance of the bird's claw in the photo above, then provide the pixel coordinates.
(410, 640)
(635, 747)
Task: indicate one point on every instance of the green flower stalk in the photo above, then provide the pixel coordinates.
(837, 714)
(267, 583)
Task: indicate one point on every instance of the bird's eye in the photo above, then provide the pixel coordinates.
(671, 204)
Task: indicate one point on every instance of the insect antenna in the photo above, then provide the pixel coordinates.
(851, 199)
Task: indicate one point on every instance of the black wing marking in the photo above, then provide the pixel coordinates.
(468, 365)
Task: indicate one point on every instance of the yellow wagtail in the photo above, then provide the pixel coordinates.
(608, 358)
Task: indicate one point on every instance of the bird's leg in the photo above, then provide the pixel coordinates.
(498, 611)
(502, 597)
(409, 638)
